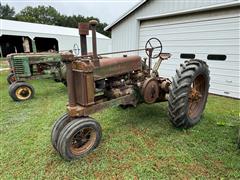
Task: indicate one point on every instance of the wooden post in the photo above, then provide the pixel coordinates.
(34, 48)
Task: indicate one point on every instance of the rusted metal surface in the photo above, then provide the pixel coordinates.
(83, 31)
(196, 96)
(71, 85)
(150, 60)
(165, 84)
(79, 111)
(150, 90)
(119, 52)
(96, 83)
(116, 78)
(93, 24)
(116, 66)
(84, 89)
(83, 28)
(83, 140)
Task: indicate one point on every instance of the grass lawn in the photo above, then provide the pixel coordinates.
(137, 142)
(3, 64)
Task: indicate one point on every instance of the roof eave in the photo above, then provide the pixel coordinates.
(200, 9)
(216, 6)
(109, 27)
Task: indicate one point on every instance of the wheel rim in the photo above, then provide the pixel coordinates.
(196, 98)
(83, 140)
(23, 93)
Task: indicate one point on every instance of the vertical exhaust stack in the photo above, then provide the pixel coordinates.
(83, 31)
(93, 24)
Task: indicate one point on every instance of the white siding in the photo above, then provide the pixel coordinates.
(215, 32)
(125, 33)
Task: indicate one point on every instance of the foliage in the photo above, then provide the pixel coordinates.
(6, 12)
(40, 14)
(48, 15)
(137, 143)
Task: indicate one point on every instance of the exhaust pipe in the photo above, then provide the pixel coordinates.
(93, 24)
(83, 32)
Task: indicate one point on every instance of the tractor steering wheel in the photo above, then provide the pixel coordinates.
(156, 46)
(75, 50)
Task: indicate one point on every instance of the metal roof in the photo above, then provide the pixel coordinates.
(125, 15)
(19, 26)
(222, 5)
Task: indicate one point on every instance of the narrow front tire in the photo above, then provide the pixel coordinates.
(21, 91)
(78, 138)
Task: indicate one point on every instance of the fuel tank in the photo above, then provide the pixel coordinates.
(109, 67)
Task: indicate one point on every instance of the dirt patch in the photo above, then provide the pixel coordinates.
(197, 169)
(50, 166)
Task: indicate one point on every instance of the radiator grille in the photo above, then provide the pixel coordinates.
(18, 66)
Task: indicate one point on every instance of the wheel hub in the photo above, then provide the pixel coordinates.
(83, 140)
(196, 96)
(150, 90)
(23, 93)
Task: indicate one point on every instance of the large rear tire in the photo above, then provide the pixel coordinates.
(78, 138)
(188, 93)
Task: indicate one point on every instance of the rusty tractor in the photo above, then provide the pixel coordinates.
(28, 66)
(96, 82)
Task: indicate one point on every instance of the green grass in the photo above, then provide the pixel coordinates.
(3, 64)
(137, 142)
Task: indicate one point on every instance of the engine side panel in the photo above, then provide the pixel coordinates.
(110, 67)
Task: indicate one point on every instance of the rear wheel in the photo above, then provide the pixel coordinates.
(188, 93)
(11, 78)
(78, 138)
(21, 91)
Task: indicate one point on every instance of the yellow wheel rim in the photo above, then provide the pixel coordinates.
(23, 93)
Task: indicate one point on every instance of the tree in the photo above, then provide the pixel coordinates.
(48, 15)
(6, 12)
(39, 14)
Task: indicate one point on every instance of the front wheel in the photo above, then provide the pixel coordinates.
(78, 138)
(188, 93)
(57, 128)
(21, 91)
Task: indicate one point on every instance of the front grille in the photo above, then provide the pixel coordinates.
(18, 66)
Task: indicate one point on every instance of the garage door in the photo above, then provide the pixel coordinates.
(212, 36)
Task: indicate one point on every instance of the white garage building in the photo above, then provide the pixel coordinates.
(207, 30)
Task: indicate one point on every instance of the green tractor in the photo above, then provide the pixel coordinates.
(27, 66)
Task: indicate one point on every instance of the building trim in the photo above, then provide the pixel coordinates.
(201, 9)
(125, 15)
